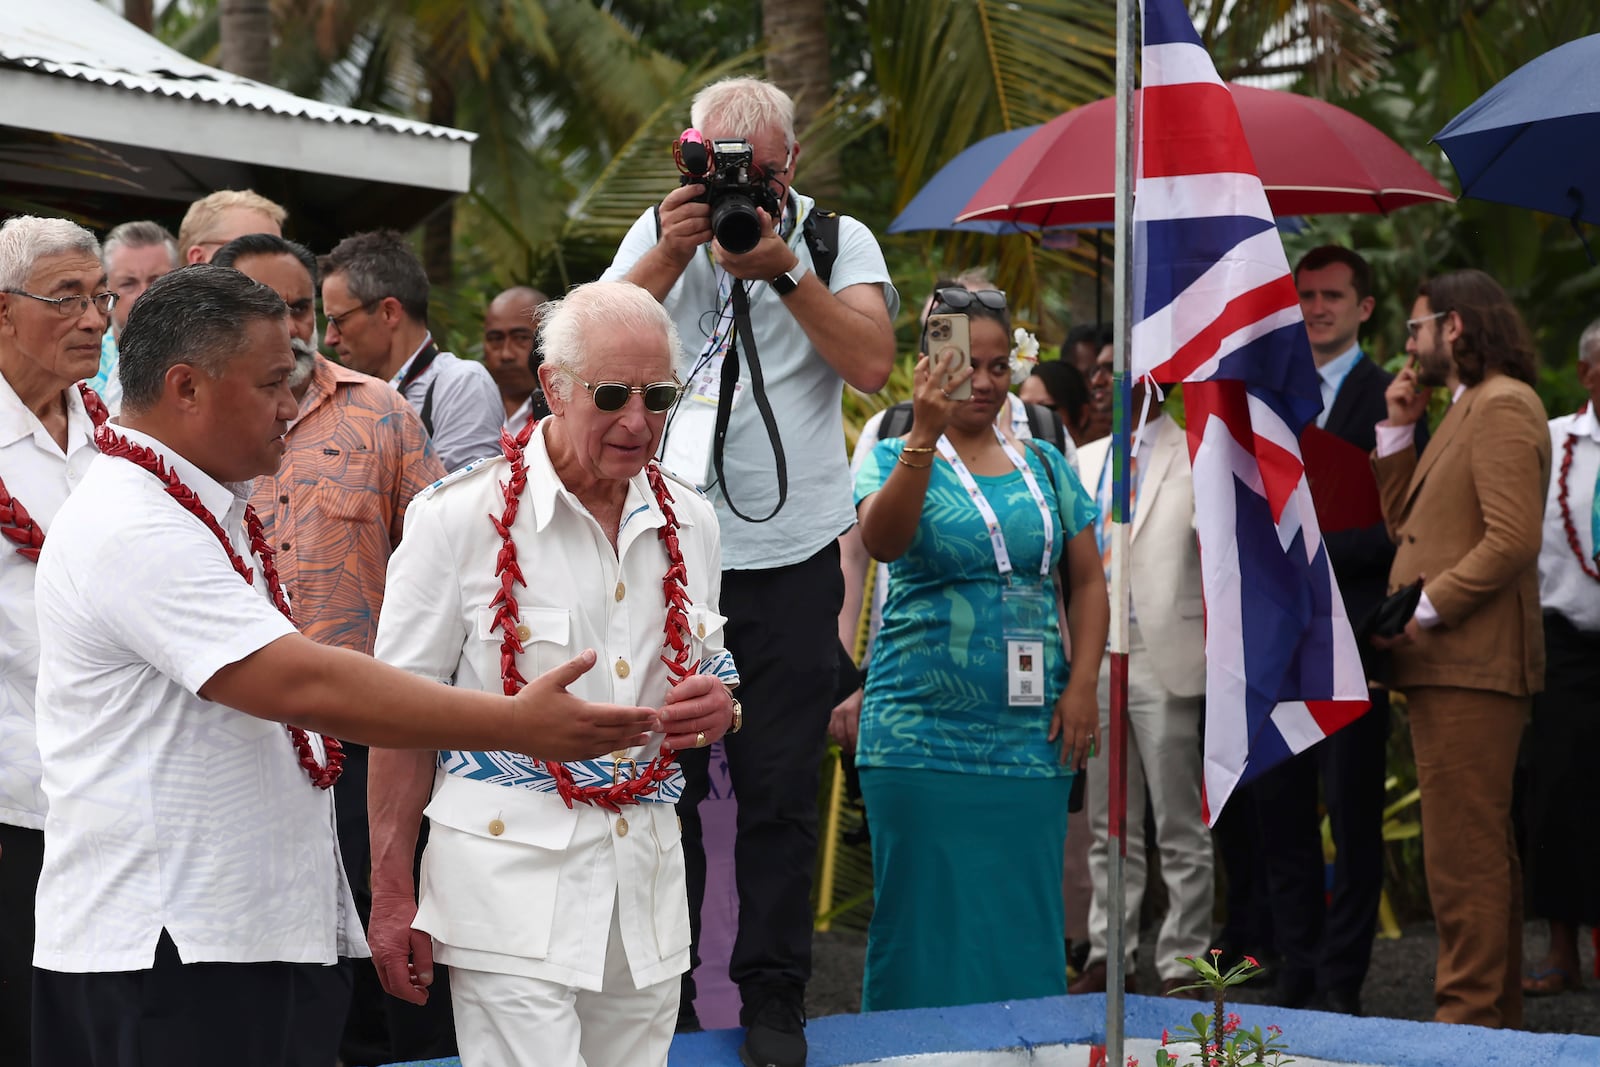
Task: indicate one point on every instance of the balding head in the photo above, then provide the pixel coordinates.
(510, 326)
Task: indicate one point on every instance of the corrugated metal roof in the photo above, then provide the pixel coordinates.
(86, 41)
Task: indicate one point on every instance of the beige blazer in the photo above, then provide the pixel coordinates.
(1165, 570)
(1467, 516)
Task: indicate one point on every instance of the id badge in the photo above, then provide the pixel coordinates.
(687, 449)
(1024, 610)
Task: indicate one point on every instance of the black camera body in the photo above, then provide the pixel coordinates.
(734, 187)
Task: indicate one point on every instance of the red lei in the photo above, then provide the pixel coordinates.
(1566, 510)
(508, 614)
(16, 525)
(322, 775)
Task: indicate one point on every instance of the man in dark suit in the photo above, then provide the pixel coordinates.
(1325, 947)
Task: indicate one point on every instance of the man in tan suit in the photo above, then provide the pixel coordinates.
(1466, 518)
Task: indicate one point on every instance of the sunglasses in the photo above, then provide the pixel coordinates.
(613, 396)
(956, 298)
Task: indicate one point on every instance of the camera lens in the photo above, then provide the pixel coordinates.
(736, 224)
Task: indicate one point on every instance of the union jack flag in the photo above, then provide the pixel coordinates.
(1215, 307)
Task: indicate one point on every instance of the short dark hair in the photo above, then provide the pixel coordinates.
(266, 244)
(1327, 255)
(1086, 333)
(195, 315)
(1066, 385)
(1493, 335)
(380, 264)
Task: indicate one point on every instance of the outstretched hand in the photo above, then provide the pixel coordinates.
(552, 724)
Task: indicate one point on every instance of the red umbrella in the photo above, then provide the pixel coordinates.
(1314, 159)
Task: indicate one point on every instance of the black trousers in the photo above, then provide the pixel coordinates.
(173, 1015)
(1325, 939)
(1562, 800)
(21, 856)
(783, 634)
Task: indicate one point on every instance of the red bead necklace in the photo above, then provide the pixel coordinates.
(1566, 509)
(19, 527)
(322, 775)
(508, 614)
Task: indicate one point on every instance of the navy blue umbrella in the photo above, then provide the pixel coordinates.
(1533, 140)
(937, 204)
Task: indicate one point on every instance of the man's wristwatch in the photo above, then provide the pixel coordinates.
(789, 280)
(738, 715)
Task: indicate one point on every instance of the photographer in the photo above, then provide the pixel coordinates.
(783, 460)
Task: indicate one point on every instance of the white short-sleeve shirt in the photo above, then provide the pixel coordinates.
(167, 811)
(39, 476)
(514, 881)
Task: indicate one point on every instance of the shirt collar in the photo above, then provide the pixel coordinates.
(1335, 369)
(218, 497)
(400, 375)
(1584, 424)
(545, 488)
(18, 421)
(326, 377)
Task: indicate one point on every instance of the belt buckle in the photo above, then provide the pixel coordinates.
(616, 767)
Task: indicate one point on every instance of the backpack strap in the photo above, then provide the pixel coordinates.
(427, 407)
(896, 420)
(1045, 425)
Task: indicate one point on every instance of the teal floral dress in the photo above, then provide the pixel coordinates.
(966, 799)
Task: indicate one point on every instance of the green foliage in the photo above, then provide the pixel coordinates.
(1219, 1038)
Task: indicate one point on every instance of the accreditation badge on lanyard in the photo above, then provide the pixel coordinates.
(1024, 606)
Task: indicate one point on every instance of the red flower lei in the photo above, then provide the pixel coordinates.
(111, 444)
(507, 614)
(1566, 510)
(16, 525)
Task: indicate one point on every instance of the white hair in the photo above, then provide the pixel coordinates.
(565, 324)
(1589, 343)
(26, 239)
(744, 107)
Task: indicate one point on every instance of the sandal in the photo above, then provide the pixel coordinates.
(1549, 981)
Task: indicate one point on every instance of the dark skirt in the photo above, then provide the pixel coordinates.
(967, 888)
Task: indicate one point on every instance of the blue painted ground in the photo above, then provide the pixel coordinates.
(840, 1040)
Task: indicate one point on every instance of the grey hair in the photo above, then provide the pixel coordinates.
(141, 234)
(743, 107)
(564, 324)
(1589, 343)
(27, 239)
(381, 264)
(197, 315)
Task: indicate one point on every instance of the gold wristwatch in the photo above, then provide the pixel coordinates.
(738, 714)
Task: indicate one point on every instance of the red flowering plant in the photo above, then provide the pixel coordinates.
(1221, 1040)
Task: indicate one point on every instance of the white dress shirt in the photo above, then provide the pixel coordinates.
(167, 811)
(39, 476)
(513, 881)
(467, 412)
(1564, 586)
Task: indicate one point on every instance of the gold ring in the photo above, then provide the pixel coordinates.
(700, 740)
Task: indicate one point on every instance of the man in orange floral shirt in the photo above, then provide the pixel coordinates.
(356, 456)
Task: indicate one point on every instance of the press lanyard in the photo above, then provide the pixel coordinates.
(997, 540)
(417, 365)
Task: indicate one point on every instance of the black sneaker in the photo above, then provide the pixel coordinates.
(775, 1034)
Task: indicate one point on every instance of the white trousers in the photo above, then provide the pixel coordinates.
(1163, 754)
(505, 1020)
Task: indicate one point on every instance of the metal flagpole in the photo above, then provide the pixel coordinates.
(1117, 743)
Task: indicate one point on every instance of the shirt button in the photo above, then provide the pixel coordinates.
(285, 546)
(523, 633)
(496, 827)
(622, 668)
(700, 631)
(622, 590)
(284, 499)
(622, 827)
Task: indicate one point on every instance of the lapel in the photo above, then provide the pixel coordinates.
(1162, 454)
(1441, 440)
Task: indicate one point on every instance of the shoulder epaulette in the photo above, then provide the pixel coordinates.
(461, 474)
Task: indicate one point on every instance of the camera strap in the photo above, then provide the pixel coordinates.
(730, 382)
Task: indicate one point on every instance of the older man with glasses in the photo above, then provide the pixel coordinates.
(555, 892)
(54, 307)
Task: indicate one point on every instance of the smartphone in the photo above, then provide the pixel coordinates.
(950, 349)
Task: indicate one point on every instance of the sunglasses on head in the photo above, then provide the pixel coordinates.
(613, 396)
(957, 298)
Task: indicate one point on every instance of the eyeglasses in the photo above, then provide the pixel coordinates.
(613, 396)
(956, 298)
(337, 321)
(1413, 325)
(70, 307)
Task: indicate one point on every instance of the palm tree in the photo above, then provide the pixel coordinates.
(246, 28)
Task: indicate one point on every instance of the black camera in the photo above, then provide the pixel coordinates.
(735, 186)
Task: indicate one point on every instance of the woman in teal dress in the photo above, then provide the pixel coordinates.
(972, 725)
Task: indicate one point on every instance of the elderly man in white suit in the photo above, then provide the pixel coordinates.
(1166, 684)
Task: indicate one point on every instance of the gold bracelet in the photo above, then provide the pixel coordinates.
(917, 451)
(915, 466)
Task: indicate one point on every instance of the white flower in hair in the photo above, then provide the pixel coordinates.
(1024, 355)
